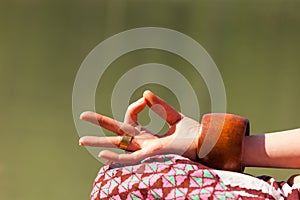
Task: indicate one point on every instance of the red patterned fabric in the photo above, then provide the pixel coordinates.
(175, 177)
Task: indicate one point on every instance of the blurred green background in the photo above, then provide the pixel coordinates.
(42, 44)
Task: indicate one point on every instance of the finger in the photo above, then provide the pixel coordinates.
(167, 112)
(109, 123)
(133, 110)
(131, 158)
(94, 141)
(149, 149)
(108, 142)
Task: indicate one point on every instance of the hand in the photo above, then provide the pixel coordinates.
(181, 137)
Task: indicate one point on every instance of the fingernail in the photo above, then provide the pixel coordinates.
(100, 154)
(147, 92)
(82, 115)
(80, 142)
(87, 115)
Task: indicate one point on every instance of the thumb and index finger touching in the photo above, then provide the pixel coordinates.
(164, 110)
(158, 105)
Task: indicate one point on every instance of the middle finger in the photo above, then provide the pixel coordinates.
(109, 123)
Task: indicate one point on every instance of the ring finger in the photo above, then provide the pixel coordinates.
(109, 142)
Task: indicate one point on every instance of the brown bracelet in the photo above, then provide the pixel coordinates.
(220, 144)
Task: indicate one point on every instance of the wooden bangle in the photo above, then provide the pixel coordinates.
(220, 145)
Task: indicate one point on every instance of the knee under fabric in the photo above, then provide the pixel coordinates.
(220, 144)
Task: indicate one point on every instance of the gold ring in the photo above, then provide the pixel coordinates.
(125, 142)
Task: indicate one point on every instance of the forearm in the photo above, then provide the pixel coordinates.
(280, 149)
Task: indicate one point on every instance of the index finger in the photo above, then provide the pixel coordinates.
(167, 112)
(109, 123)
(131, 116)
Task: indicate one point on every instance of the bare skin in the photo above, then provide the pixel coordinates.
(281, 149)
(181, 137)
